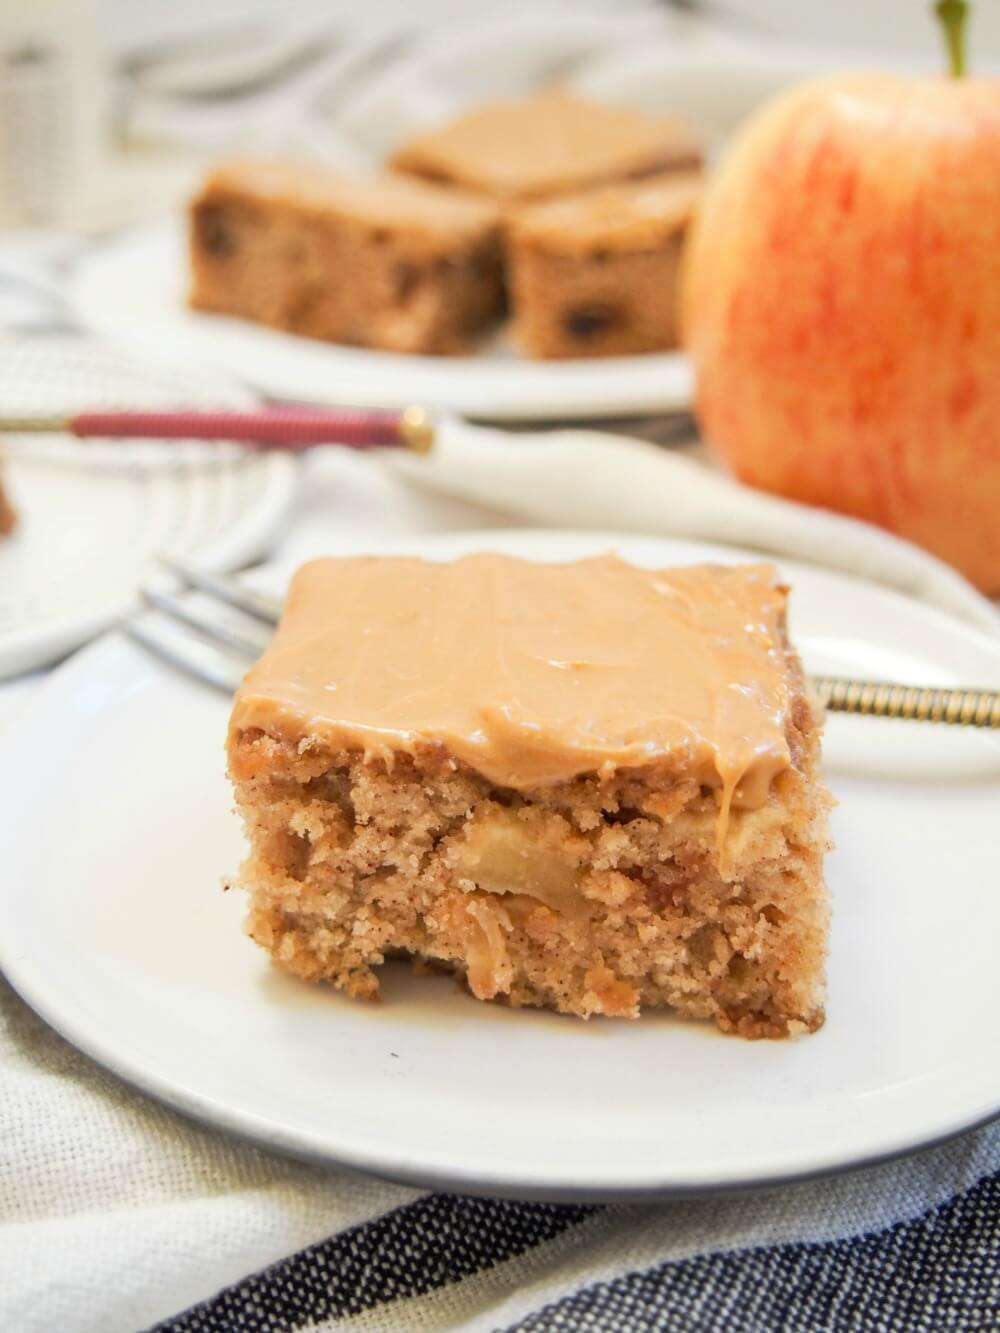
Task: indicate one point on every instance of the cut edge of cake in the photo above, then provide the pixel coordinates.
(601, 894)
(598, 274)
(386, 262)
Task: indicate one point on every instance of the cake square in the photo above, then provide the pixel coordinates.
(548, 144)
(387, 262)
(587, 787)
(597, 274)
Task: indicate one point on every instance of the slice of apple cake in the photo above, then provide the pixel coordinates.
(584, 786)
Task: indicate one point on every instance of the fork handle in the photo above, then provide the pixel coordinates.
(291, 429)
(968, 708)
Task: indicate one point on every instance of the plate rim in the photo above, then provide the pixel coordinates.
(516, 391)
(249, 1126)
(250, 1129)
(35, 645)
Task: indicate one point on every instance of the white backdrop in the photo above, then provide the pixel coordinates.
(893, 26)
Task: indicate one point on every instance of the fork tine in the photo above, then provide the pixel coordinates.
(234, 593)
(205, 661)
(203, 624)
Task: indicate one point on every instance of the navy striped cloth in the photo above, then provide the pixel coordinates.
(118, 1215)
(937, 1271)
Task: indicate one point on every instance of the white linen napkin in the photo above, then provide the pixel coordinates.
(344, 84)
(590, 479)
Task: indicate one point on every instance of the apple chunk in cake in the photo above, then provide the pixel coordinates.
(586, 786)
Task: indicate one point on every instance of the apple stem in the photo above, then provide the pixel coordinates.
(952, 15)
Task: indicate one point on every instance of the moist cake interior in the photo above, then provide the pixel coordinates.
(500, 769)
(386, 262)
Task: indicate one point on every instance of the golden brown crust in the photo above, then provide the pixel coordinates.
(628, 218)
(387, 200)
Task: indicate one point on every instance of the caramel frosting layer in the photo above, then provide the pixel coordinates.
(388, 199)
(535, 673)
(637, 215)
(546, 144)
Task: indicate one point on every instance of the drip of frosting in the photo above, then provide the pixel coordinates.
(534, 674)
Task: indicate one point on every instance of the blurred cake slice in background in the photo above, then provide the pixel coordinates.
(596, 274)
(386, 262)
(552, 143)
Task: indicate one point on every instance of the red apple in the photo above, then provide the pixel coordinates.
(842, 307)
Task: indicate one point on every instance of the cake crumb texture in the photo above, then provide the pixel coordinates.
(601, 893)
(587, 898)
(386, 262)
(597, 274)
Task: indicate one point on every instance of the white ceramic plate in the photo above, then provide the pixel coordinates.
(93, 516)
(117, 931)
(133, 291)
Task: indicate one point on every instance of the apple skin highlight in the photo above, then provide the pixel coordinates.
(842, 307)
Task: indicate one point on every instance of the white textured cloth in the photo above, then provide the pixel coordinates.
(117, 1213)
(342, 82)
(591, 479)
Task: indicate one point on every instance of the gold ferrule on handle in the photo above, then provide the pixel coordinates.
(416, 429)
(40, 425)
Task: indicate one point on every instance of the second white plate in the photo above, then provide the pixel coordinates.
(133, 290)
(117, 931)
(94, 516)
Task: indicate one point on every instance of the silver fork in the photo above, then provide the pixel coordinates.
(218, 648)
